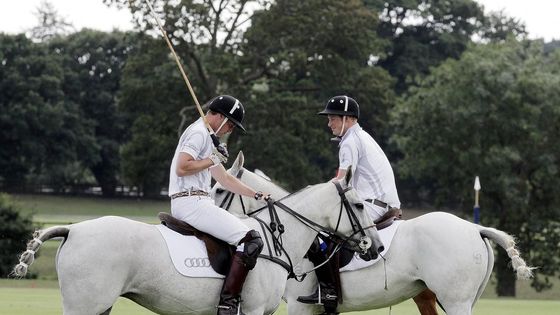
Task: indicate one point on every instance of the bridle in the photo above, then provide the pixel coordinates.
(365, 241)
(341, 240)
(275, 228)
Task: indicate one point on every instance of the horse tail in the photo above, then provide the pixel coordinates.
(39, 236)
(507, 242)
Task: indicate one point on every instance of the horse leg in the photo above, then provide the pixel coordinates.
(426, 302)
(89, 283)
(86, 299)
(459, 309)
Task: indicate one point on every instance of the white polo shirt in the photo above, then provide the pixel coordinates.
(372, 174)
(195, 141)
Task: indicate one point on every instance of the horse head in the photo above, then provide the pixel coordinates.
(368, 243)
(242, 205)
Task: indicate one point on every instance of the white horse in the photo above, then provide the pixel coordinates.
(436, 251)
(102, 259)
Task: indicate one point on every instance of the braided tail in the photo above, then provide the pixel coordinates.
(507, 242)
(39, 236)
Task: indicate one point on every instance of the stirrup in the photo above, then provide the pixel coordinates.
(230, 309)
(318, 298)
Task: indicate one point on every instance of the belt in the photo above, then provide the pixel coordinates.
(378, 203)
(190, 193)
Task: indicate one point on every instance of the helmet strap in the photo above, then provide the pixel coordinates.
(222, 124)
(344, 117)
(343, 125)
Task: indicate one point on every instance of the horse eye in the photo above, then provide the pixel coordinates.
(360, 206)
(219, 191)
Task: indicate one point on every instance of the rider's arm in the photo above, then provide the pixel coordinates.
(347, 157)
(230, 182)
(340, 174)
(187, 165)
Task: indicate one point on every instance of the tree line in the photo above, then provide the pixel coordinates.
(448, 91)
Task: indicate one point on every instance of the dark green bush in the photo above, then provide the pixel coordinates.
(15, 230)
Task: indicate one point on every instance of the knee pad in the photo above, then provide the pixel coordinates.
(252, 249)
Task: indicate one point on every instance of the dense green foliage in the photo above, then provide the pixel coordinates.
(310, 56)
(42, 133)
(92, 63)
(493, 113)
(15, 231)
(108, 108)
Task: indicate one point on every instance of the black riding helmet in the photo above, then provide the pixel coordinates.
(230, 107)
(342, 105)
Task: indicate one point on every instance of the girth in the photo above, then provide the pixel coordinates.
(220, 253)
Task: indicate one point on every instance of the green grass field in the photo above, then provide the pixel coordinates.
(41, 296)
(68, 209)
(28, 297)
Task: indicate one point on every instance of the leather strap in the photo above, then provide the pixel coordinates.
(378, 203)
(190, 193)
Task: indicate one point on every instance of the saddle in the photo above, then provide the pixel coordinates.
(220, 253)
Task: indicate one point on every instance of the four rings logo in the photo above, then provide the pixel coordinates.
(197, 262)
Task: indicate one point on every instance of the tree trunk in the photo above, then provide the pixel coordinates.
(151, 190)
(504, 275)
(105, 173)
(108, 189)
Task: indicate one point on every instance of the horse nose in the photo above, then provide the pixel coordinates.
(378, 245)
(374, 254)
(371, 254)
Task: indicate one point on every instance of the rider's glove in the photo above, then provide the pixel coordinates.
(217, 158)
(222, 148)
(259, 195)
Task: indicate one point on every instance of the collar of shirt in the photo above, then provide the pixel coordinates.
(350, 130)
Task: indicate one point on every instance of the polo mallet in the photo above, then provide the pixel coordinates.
(215, 139)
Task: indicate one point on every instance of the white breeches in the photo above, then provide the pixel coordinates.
(203, 214)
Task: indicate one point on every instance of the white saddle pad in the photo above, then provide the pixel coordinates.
(188, 254)
(386, 236)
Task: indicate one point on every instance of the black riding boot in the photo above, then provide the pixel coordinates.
(241, 263)
(230, 299)
(326, 293)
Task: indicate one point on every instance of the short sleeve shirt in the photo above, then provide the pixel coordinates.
(196, 142)
(372, 174)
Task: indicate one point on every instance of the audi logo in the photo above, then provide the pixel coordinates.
(197, 262)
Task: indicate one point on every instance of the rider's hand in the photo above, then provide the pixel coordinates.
(217, 158)
(222, 148)
(259, 195)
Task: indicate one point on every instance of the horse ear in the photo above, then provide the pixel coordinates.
(348, 176)
(238, 163)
